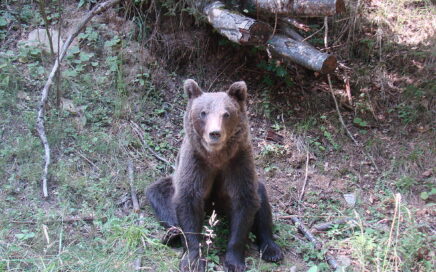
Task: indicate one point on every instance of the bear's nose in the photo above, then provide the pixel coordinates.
(215, 135)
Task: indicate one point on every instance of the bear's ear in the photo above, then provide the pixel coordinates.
(238, 91)
(191, 89)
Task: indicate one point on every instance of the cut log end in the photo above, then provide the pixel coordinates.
(259, 33)
(237, 27)
(329, 65)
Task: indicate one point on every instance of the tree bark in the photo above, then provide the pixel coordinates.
(236, 27)
(301, 53)
(300, 8)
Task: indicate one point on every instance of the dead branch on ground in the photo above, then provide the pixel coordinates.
(303, 188)
(317, 243)
(135, 202)
(40, 127)
(328, 225)
(68, 219)
(136, 209)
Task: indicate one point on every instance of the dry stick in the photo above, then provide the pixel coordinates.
(305, 178)
(137, 262)
(318, 244)
(331, 88)
(137, 129)
(44, 93)
(47, 30)
(132, 187)
(328, 225)
(72, 219)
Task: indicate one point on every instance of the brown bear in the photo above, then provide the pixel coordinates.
(215, 171)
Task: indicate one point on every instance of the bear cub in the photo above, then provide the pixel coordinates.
(215, 171)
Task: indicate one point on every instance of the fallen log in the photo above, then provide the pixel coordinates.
(299, 8)
(290, 50)
(294, 35)
(237, 27)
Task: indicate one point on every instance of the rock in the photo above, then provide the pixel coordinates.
(427, 173)
(350, 199)
(343, 261)
(39, 38)
(22, 95)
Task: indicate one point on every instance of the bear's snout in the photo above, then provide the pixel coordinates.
(215, 135)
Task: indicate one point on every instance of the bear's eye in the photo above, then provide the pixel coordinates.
(226, 115)
(202, 114)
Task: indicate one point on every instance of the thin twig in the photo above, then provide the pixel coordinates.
(137, 129)
(132, 187)
(303, 189)
(337, 106)
(70, 219)
(313, 34)
(44, 93)
(328, 225)
(88, 160)
(47, 28)
(136, 209)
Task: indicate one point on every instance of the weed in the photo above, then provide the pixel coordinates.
(405, 183)
(330, 138)
(277, 73)
(271, 151)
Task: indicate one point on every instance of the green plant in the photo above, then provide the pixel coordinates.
(272, 150)
(278, 73)
(427, 194)
(358, 121)
(406, 113)
(405, 183)
(89, 38)
(330, 138)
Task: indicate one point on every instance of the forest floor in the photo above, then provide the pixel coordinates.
(120, 99)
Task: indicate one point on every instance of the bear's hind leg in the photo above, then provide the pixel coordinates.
(262, 228)
(160, 195)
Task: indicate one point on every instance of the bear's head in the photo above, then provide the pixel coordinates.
(218, 118)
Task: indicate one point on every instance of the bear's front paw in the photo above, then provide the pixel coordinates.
(271, 252)
(192, 264)
(173, 237)
(234, 264)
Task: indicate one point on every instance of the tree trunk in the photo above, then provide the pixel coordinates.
(236, 27)
(300, 8)
(301, 53)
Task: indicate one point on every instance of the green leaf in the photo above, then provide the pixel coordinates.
(281, 72)
(424, 195)
(313, 269)
(3, 22)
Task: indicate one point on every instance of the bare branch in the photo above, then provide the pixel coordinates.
(45, 91)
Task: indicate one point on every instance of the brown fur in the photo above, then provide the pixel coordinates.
(215, 165)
